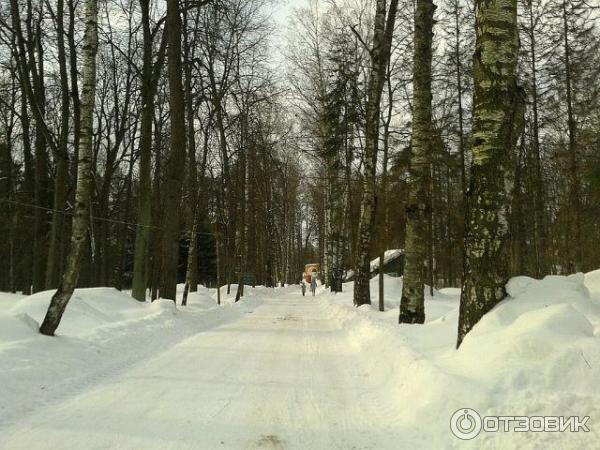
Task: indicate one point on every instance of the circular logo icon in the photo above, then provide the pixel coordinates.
(465, 424)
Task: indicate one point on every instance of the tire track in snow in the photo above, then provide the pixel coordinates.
(287, 376)
(172, 331)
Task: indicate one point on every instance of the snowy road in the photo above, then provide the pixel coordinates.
(284, 376)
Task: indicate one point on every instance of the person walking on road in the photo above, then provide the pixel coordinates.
(313, 283)
(303, 288)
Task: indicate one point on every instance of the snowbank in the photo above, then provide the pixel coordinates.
(103, 332)
(536, 353)
(592, 282)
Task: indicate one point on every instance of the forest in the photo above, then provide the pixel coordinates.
(146, 143)
(299, 224)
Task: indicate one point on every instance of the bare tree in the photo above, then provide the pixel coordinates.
(380, 54)
(82, 199)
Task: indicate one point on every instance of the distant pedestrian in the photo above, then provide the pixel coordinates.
(303, 288)
(313, 283)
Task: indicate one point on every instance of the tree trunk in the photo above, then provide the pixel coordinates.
(380, 55)
(383, 230)
(26, 264)
(190, 267)
(218, 253)
(418, 209)
(55, 251)
(156, 242)
(74, 92)
(459, 85)
(192, 169)
(497, 124)
(148, 92)
(336, 219)
(82, 197)
(245, 162)
(174, 168)
(42, 181)
(574, 229)
(540, 198)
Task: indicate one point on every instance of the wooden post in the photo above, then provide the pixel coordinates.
(218, 270)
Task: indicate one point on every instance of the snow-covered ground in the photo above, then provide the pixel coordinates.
(103, 332)
(535, 354)
(283, 371)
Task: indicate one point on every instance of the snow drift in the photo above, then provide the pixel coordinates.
(536, 353)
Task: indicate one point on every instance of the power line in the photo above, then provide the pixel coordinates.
(95, 218)
(68, 213)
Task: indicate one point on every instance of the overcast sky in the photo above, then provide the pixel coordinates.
(281, 11)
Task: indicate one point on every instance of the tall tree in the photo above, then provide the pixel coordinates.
(498, 105)
(418, 210)
(575, 225)
(82, 197)
(383, 227)
(175, 160)
(30, 61)
(150, 77)
(61, 156)
(541, 251)
(338, 115)
(191, 204)
(380, 54)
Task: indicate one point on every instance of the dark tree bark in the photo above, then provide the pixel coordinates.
(574, 229)
(29, 53)
(191, 203)
(74, 83)
(151, 74)
(61, 184)
(245, 185)
(418, 209)
(383, 229)
(27, 260)
(175, 160)
(539, 195)
(380, 55)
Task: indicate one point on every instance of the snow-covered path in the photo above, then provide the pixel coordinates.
(284, 376)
